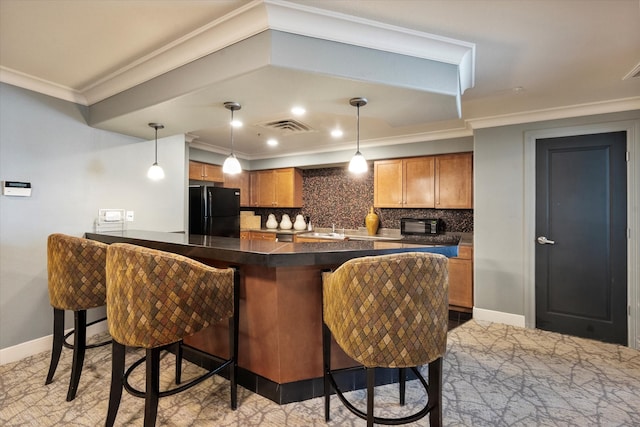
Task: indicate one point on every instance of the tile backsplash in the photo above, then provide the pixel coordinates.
(335, 196)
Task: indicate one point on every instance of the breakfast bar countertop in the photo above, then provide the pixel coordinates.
(265, 253)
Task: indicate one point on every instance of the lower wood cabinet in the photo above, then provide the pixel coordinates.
(461, 280)
(259, 235)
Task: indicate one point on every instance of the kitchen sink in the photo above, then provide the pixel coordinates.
(340, 236)
(317, 235)
(376, 238)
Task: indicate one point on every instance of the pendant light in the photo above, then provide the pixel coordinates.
(231, 164)
(155, 172)
(358, 163)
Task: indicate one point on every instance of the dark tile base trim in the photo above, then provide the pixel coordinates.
(352, 379)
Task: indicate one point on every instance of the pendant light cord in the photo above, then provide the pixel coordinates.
(231, 126)
(156, 145)
(358, 130)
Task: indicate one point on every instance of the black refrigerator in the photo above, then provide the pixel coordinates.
(214, 211)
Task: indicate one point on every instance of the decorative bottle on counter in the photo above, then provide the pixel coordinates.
(372, 222)
(299, 224)
(271, 221)
(285, 224)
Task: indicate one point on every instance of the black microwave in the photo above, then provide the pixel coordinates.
(420, 226)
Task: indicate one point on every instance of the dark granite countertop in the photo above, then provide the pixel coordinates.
(270, 254)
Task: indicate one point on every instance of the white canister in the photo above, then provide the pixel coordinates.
(299, 224)
(285, 224)
(271, 221)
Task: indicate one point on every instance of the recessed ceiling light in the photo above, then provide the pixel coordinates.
(336, 133)
(272, 142)
(298, 111)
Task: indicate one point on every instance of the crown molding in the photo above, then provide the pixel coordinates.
(251, 19)
(556, 113)
(25, 81)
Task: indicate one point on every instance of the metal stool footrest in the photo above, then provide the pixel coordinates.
(67, 344)
(141, 393)
(382, 420)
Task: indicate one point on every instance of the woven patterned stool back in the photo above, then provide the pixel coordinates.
(389, 310)
(156, 298)
(76, 270)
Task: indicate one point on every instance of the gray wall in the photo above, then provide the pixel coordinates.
(74, 170)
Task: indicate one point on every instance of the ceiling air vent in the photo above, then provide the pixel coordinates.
(287, 126)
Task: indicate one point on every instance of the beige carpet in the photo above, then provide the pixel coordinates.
(494, 375)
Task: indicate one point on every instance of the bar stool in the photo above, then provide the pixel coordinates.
(388, 311)
(154, 300)
(76, 281)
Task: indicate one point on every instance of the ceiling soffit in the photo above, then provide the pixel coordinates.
(301, 38)
(261, 15)
(283, 51)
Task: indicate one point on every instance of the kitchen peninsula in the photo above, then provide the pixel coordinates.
(280, 348)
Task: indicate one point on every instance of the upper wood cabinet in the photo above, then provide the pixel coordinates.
(404, 183)
(277, 188)
(454, 181)
(253, 188)
(443, 181)
(240, 180)
(205, 172)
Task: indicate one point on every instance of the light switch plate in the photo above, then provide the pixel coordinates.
(129, 216)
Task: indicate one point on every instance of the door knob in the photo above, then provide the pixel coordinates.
(544, 241)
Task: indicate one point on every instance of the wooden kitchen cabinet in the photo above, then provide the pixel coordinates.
(404, 183)
(461, 280)
(277, 188)
(259, 235)
(245, 235)
(443, 181)
(454, 181)
(205, 172)
(242, 181)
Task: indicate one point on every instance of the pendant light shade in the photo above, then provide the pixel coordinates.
(358, 163)
(231, 164)
(155, 172)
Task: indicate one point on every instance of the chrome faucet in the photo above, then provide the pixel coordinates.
(333, 228)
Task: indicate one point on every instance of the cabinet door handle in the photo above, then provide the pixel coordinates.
(544, 241)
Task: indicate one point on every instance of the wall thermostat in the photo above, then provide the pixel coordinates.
(16, 188)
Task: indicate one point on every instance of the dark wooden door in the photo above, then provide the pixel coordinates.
(581, 211)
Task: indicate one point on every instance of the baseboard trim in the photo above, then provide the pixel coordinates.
(38, 345)
(498, 317)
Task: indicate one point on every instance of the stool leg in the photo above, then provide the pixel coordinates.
(152, 391)
(326, 366)
(233, 368)
(58, 338)
(117, 373)
(178, 350)
(371, 382)
(402, 380)
(435, 392)
(234, 332)
(79, 347)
